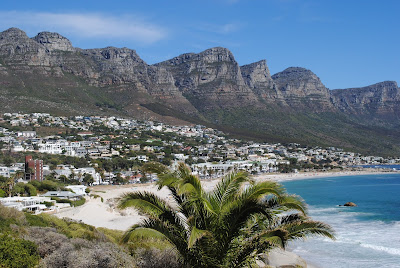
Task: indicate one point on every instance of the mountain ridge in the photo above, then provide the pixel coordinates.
(46, 73)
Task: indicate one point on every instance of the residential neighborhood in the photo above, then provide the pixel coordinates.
(209, 152)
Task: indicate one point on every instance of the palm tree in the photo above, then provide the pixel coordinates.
(227, 227)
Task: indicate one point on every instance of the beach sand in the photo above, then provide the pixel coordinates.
(105, 214)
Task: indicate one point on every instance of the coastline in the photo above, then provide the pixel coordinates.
(281, 177)
(105, 214)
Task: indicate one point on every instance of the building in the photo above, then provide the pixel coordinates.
(63, 195)
(33, 169)
(33, 203)
(78, 189)
(5, 172)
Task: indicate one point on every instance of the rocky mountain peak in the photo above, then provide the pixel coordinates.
(217, 54)
(294, 73)
(116, 54)
(257, 75)
(53, 41)
(300, 87)
(13, 35)
(379, 98)
(298, 79)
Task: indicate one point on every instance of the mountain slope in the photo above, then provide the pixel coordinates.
(47, 74)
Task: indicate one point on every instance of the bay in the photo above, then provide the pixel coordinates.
(367, 235)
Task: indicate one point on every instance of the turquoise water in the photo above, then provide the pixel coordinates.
(367, 235)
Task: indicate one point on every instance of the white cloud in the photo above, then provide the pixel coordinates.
(220, 29)
(229, 28)
(89, 25)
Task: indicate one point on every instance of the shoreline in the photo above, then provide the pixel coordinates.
(105, 214)
(282, 177)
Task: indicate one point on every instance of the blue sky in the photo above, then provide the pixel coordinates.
(347, 43)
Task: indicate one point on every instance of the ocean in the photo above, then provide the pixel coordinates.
(367, 235)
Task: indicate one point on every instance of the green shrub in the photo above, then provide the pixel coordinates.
(18, 188)
(48, 204)
(11, 214)
(2, 193)
(16, 252)
(37, 220)
(30, 189)
(78, 203)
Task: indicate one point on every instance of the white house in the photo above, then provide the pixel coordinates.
(78, 189)
(26, 134)
(88, 170)
(5, 172)
(50, 148)
(32, 203)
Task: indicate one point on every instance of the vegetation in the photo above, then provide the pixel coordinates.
(76, 203)
(28, 240)
(17, 253)
(227, 227)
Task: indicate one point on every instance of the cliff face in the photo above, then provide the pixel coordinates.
(118, 70)
(189, 82)
(380, 99)
(258, 78)
(46, 73)
(209, 79)
(53, 41)
(301, 88)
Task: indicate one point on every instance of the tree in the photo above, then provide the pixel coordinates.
(119, 179)
(227, 227)
(88, 179)
(8, 161)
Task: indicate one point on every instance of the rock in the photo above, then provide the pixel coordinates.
(53, 41)
(379, 99)
(210, 79)
(258, 78)
(301, 88)
(350, 204)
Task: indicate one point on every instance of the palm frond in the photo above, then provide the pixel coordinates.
(306, 228)
(154, 167)
(195, 235)
(145, 202)
(293, 202)
(262, 189)
(137, 231)
(151, 205)
(229, 187)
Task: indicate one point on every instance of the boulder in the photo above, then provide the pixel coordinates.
(350, 204)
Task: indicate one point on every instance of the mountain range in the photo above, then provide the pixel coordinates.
(46, 73)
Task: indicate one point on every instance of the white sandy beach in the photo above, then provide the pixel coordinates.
(105, 214)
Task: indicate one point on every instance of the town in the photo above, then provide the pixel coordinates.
(94, 150)
(209, 152)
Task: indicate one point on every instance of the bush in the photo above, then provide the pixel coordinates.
(47, 185)
(16, 252)
(79, 253)
(59, 251)
(2, 193)
(10, 217)
(11, 213)
(30, 189)
(76, 203)
(48, 204)
(154, 258)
